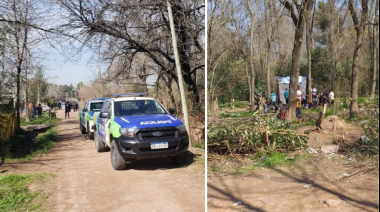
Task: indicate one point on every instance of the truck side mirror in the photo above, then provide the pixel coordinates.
(84, 110)
(105, 115)
(171, 111)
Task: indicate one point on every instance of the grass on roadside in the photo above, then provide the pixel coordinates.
(43, 120)
(40, 145)
(16, 195)
(198, 145)
(261, 160)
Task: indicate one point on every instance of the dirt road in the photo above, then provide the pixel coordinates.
(86, 181)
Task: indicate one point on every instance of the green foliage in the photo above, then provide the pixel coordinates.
(43, 120)
(198, 145)
(273, 159)
(237, 114)
(40, 145)
(249, 138)
(15, 194)
(214, 169)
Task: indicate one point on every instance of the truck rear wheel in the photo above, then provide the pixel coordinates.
(99, 145)
(118, 162)
(90, 134)
(82, 129)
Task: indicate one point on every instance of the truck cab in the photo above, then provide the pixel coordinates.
(87, 113)
(135, 127)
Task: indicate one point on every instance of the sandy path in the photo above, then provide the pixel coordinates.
(86, 181)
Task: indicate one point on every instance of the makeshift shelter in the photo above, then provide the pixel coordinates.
(281, 83)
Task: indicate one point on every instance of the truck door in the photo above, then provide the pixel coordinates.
(83, 116)
(103, 123)
(107, 124)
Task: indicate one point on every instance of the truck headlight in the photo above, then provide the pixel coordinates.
(181, 128)
(130, 132)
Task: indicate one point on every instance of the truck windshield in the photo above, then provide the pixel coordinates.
(96, 105)
(138, 107)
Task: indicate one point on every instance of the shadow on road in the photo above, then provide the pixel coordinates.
(236, 189)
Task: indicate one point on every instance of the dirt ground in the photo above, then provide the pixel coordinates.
(305, 185)
(86, 181)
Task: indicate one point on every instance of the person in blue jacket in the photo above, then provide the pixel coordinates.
(286, 95)
(273, 99)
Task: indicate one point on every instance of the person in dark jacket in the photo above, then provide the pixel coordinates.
(67, 110)
(34, 110)
(39, 110)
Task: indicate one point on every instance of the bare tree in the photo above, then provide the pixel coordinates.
(310, 46)
(128, 29)
(360, 25)
(299, 13)
(374, 18)
(252, 50)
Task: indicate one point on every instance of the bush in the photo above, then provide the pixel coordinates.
(253, 136)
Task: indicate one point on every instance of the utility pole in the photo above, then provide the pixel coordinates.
(179, 71)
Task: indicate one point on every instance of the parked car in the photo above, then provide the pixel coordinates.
(86, 115)
(45, 108)
(136, 127)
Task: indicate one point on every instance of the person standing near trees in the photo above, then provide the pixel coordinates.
(34, 110)
(299, 97)
(67, 110)
(39, 110)
(331, 97)
(286, 95)
(273, 98)
(314, 96)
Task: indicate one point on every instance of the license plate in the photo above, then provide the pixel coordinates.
(161, 145)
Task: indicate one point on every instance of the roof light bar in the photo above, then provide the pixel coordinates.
(99, 99)
(128, 94)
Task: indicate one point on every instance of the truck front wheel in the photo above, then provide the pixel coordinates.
(99, 145)
(82, 129)
(180, 159)
(118, 162)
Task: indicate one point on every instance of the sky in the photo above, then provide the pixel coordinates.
(60, 70)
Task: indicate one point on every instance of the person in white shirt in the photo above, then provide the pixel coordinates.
(299, 97)
(331, 97)
(314, 96)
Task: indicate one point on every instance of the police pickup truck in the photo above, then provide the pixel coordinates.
(135, 127)
(86, 115)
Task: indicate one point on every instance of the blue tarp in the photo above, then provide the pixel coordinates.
(286, 80)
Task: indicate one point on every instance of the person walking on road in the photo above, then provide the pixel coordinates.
(67, 110)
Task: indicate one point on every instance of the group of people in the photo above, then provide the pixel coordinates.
(317, 99)
(36, 110)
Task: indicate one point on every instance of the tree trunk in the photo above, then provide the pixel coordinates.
(253, 75)
(373, 45)
(359, 28)
(299, 23)
(309, 47)
(249, 82)
(27, 116)
(18, 104)
(296, 58)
